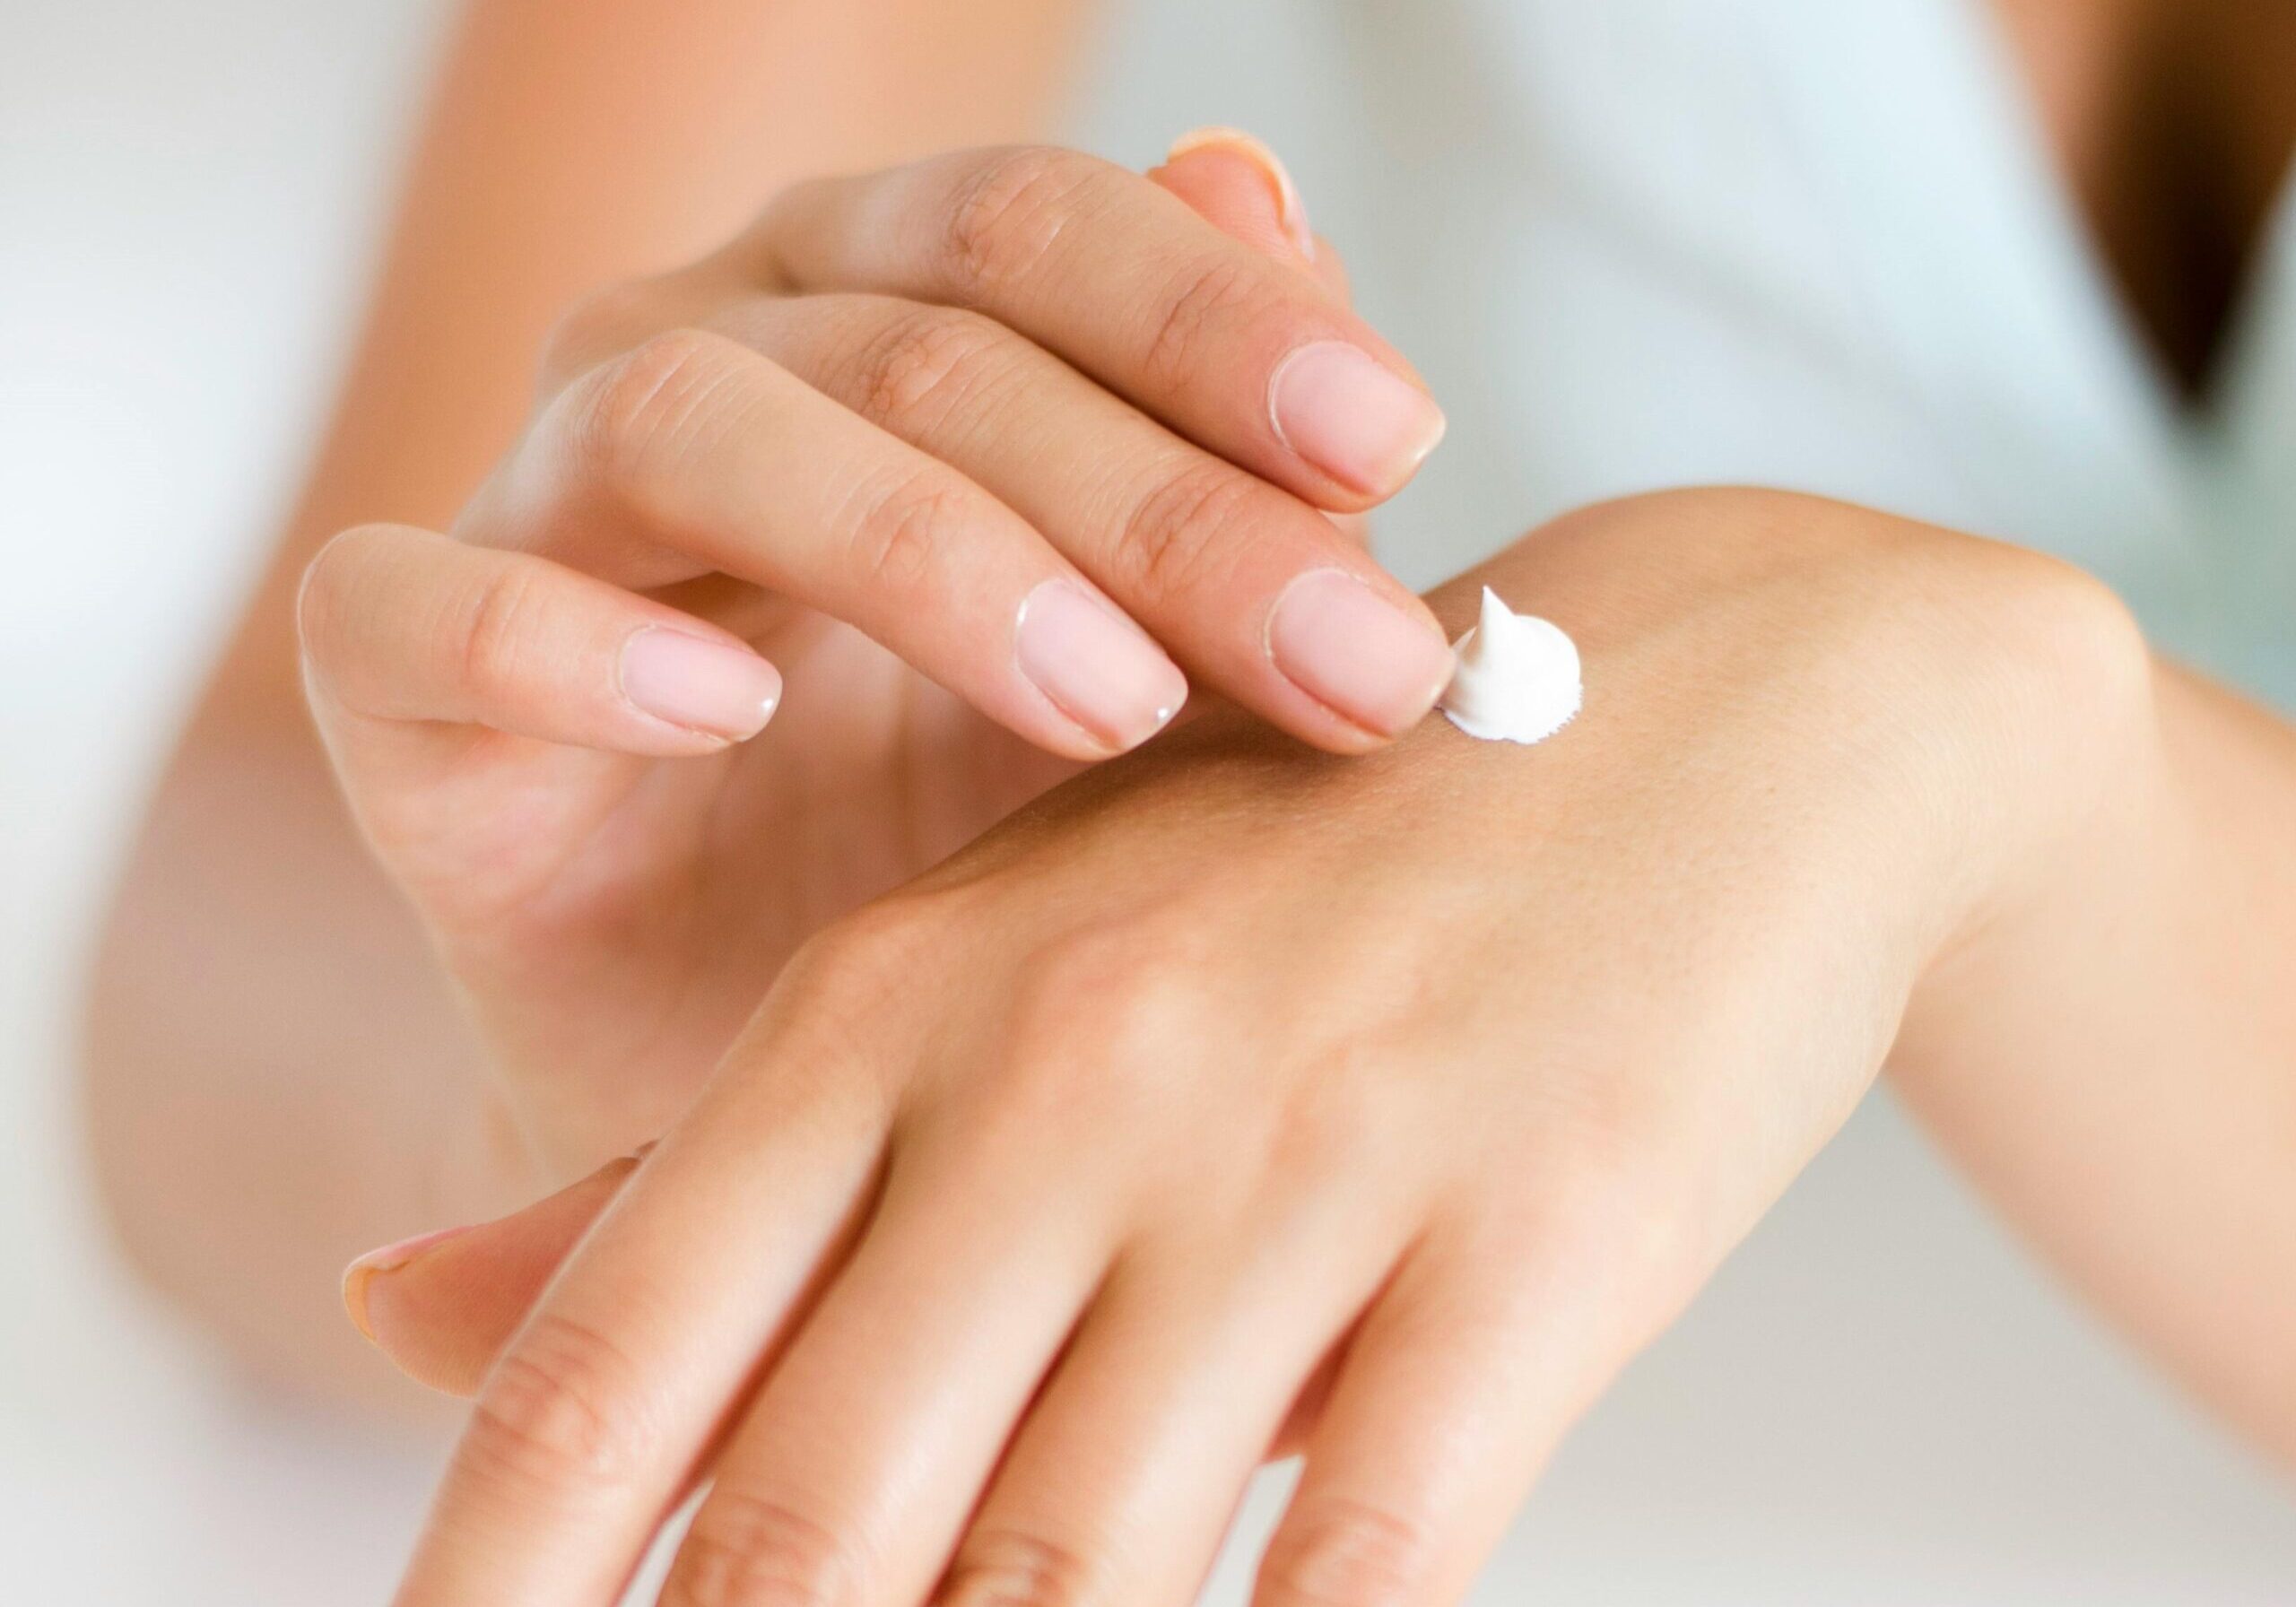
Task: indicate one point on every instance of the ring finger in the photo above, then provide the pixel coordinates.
(1123, 1480)
(695, 453)
(855, 1468)
(1254, 591)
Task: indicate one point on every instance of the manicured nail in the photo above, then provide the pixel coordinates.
(1290, 210)
(713, 688)
(1351, 416)
(390, 1258)
(1352, 649)
(1098, 668)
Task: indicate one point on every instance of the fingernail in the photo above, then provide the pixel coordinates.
(1289, 210)
(390, 1258)
(1351, 416)
(1352, 649)
(713, 688)
(1098, 668)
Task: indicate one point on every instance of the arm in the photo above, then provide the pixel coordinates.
(270, 1040)
(2116, 1067)
(1841, 784)
(1234, 1095)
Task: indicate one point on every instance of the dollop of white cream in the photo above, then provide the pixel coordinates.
(1517, 678)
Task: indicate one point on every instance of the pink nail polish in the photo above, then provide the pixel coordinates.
(1354, 651)
(1351, 416)
(1098, 668)
(715, 688)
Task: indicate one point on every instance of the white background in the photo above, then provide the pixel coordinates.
(1878, 1403)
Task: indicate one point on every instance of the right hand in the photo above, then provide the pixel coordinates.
(975, 450)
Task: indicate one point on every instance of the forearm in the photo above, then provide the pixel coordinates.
(2105, 1030)
(277, 1075)
(279, 1071)
(2116, 1063)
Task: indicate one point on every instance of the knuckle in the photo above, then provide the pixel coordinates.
(1334, 1121)
(864, 957)
(1346, 1554)
(762, 253)
(1145, 1017)
(331, 585)
(649, 410)
(902, 522)
(612, 319)
(748, 1551)
(844, 990)
(1183, 534)
(1134, 995)
(1620, 1212)
(495, 628)
(1130, 980)
(1003, 1568)
(1210, 297)
(1006, 215)
(924, 365)
(563, 1408)
(1629, 1233)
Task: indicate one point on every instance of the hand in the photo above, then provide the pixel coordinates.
(1401, 1098)
(977, 410)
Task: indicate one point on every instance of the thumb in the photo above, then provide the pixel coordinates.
(441, 1307)
(1241, 188)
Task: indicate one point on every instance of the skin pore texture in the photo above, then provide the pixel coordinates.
(978, 1125)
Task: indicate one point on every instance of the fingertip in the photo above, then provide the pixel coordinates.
(1353, 416)
(1240, 186)
(356, 1278)
(362, 1278)
(440, 1306)
(1375, 662)
(719, 691)
(1108, 681)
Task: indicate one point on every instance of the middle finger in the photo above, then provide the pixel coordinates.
(1254, 591)
(856, 1467)
(1239, 352)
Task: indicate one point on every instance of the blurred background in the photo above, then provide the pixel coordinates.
(1879, 1401)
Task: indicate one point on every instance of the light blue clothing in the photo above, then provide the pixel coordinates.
(1819, 244)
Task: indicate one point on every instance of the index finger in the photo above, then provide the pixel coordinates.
(598, 1415)
(1239, 353)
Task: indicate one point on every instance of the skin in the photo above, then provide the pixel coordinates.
(614, 913)
(570, 146)
(2044, 869)
(664, 137)
(949, 1279)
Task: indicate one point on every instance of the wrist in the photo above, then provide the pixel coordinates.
(1926, 734)
(1977, 717)
(2073, 801)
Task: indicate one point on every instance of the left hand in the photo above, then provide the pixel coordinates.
(611, 883)
(1398, 1098)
